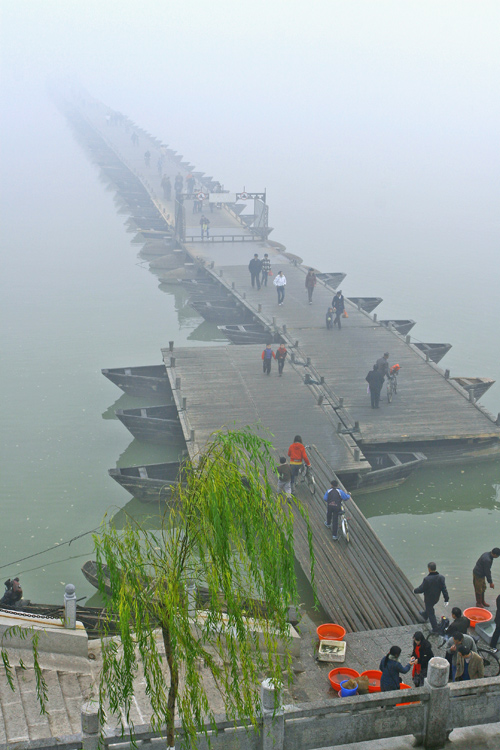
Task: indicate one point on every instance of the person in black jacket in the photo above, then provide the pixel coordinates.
(432, 587)
(375, 380)
(482, 573)
(255, 268)
(391, 668)
(496, 634)
(338, 304)
(459, 622)
(422, 654)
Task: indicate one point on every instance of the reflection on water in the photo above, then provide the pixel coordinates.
(449, 516)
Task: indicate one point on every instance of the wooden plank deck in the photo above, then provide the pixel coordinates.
(226, 386)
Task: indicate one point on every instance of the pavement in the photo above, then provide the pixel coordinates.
(71, 681)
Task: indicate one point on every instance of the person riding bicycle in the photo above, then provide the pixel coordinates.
(333, 499)
(297, 455)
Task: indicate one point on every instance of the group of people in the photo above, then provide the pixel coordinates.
(268, 355)
(336, 312)
(260, 270)
(288, 472)
(376, 376)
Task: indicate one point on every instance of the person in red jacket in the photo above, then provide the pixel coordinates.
(297, 454)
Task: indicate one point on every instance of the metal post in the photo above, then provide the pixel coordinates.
(308, 361)
(427, 356)
(274, 319)
(339, 427)
(284, 328)
(177, 383)
(244, 295)
(357, 454)
(356, 426)
(292, 357)
(172, 361)
(70, 607)
(322, 380)
(259, 307)
(408, 339)
(184, 403)
(233, 285)
(497, 420)
(171, 346)
(471, 395)
(191, 436)
(341, 401)
(296, 345)
(447, 374)
(374, 317)
(320, 399)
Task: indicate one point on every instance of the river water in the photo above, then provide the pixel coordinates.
(76, 298)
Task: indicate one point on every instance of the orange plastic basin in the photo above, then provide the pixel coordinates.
(374, 676)
(331, 632)
(338, 675)
(477, 614)
(403, 686)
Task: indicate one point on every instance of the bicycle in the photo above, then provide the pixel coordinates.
(306, 475)
(392, 387)
(344, 526)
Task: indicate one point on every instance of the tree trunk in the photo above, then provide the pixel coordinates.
(173, 689)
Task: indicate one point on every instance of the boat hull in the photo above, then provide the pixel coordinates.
(250, 334)
(149, 483)
(401, 326)
(435, 352)
(389, 469)
(366, 303)
(141, 381)
(157, 424)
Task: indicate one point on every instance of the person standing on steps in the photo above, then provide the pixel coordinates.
(391, 669)
(280, 283)
(432, 587)
(255, 268)
(267, 357)
(281, 356)
(333, 499)
(375, 381)
(482, 573)
(266, 269)
(310, 284)
(338, 304)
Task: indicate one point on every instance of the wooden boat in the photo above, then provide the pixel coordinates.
(401, 326)
(332, 280)
(478, 386)
(435, 352)
(202, 282)
(154, 424)
(141, 381)
(150, 234)
(148, 483)
(169, 260)
(366, 303)
(90, 571)
(97, 621)
(223, 313)
(250, 333)
(388, 470)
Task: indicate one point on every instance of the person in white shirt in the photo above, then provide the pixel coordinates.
(280, 283)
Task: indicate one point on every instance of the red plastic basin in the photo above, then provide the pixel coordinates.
(374, 676)
(477, 614)
(338, 675)
(331, 632)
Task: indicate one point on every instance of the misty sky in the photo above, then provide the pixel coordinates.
(373, 125)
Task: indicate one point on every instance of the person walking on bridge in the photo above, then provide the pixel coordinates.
(310, 283)
(167, 187)
(255, 268)
(482, 573)
(267, 357)
(375, 381)
(280, 283)
(333, 499)
(266, 269)
(281, 353)
(204, 224)
(432, 587)
(382, 364)
(297, 454)
(338, 304)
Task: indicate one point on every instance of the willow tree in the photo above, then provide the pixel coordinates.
(228, 531)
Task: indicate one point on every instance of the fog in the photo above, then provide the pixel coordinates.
(372, 125)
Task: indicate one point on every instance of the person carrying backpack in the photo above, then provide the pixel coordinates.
(333, 499)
